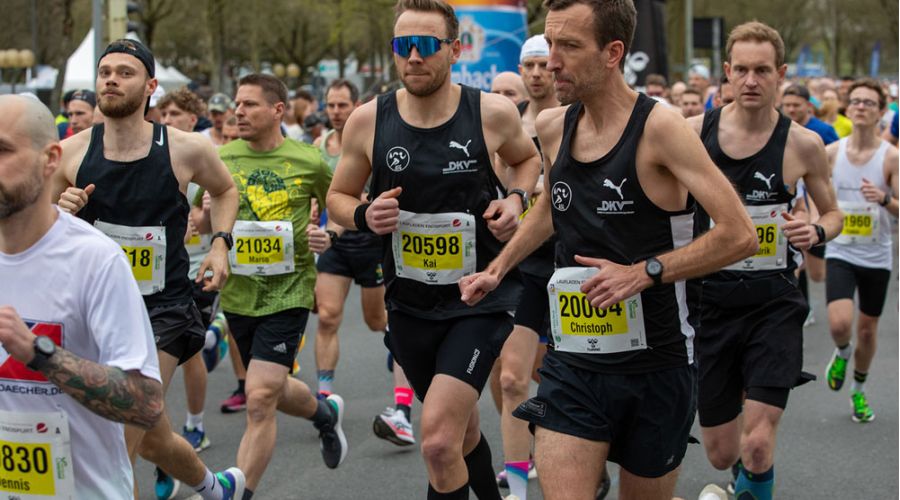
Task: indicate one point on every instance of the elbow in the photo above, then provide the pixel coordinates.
(747, 243)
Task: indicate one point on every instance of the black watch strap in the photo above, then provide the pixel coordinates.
(332, 235)
(886, 201)
(523, 195)
(820, 233)
(226, 237)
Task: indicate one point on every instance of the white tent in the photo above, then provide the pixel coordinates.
(80, 68)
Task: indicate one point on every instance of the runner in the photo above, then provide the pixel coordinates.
(220, 108)
(616, 161)
(128, 178)
(346, 256)
(81, 111)
(46, 346)
(267, 299)
(864, 173)
(435, 200)
(750, 342)
(509, 85)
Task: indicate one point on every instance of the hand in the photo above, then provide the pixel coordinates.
(871, 193)
(15, 337)
(74, 199)
(216, 261)
(613, 282)
(475, 287)
(314, 211)
(503, 217)
(207, 202)
(191, 229)
(799, 233)
(383, 214)
(318, 239)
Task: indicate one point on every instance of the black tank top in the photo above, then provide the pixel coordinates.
(600, 210)
(443, 169)
(143, 192)
(758, 180)
(540, 262)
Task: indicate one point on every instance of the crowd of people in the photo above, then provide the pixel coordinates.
(643, 256)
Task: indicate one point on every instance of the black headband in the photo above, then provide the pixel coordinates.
(135, 49)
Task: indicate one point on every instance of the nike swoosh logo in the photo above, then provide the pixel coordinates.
(162, 139)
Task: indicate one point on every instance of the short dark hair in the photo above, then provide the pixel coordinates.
(304, 94)
(184, 99)
(273, 88)
(437, 6)
(872, 85)
(797, 90)
(656, 79)
(343, 83)
(613, 20)
(692, 91)
(755, 31)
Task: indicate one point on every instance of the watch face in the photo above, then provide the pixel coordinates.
(45, 345)
(654, 267)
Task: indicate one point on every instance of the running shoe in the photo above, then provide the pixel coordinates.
(735, 472)
(332, 440)
(712, 492)
(196, 437)
(836, 372)
(605, 485)
(861, 411)
(233, 483)
(166, 486)
(503, 481)
(392, 426)
(235, 403)
(216, 346)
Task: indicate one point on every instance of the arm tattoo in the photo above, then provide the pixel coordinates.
(110, 392)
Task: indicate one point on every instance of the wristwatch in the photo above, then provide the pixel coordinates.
(43, 349)
(820, 233)
(333, 235)
(523, 195)
(886, 201)
(654, 269)
(226, 237)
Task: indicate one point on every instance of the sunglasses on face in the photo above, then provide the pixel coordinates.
(426, 45)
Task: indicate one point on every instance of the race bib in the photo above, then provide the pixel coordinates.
(577, 326)
(436, 249)
(199, 244)
(35, 456)
(145, 248)
(262, 248)
(772, 253)
(860, 223)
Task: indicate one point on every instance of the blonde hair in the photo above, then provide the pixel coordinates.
(756, 31)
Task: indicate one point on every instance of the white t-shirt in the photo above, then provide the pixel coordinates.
(75, 286)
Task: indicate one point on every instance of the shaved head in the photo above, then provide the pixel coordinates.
(33, 119)
(509, 84)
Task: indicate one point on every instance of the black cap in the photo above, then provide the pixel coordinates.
(133, 48)
(83, 95)
(798, 90)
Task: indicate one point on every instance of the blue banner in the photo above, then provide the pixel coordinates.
(492, 36)
(875, 62)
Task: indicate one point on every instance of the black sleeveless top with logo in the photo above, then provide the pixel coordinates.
(142, 192)
(600, 210)
(442, 169)
(539, 262)
(758, 181)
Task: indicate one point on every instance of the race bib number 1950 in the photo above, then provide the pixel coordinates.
(35, 456)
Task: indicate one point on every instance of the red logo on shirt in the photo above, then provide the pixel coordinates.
(15, 370)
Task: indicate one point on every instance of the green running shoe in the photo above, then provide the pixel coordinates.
(861, 411)
(836, 372)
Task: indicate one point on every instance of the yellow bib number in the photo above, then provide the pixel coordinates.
(857, 225)
(432, 251)
(141, 260)
(578, 317)
(259, 250)
(767, 235)
(26, 468)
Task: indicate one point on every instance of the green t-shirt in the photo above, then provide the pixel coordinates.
(276, 185)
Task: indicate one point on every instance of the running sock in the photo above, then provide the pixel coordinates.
(326, 379)
(845, 351)
(240, 389)
(210, 489)
(403, 398)
(750, 486)
(323, 415)
(248, 494)
(859, 381)
(481, 472)
(460, 494)
(517, 476)
(194, 421)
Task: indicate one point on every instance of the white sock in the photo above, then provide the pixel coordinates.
(209, 489)
(846, 352)
(194, 421)
(858, 387)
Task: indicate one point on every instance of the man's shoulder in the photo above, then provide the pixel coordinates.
(84, 240)
(805, 140)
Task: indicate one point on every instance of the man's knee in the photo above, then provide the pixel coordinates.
(375, 320)
(330, 316)
(867, 331)
(438, 451)
(757, 448)
(514, 386)
(261, 403)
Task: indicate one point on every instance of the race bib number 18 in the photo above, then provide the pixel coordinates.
(145, 249)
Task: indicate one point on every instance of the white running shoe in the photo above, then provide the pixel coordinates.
(712, 492)
(392, 426)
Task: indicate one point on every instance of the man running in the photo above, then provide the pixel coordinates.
(750, 340)
(128, 178)
(346, 256)
(619, 380)
(76, 347)
(436, 201)
(859, 261)
(268, 297)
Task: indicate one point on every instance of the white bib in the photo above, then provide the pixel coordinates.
(436, 249)
(145, 247)
(262, 248)
(860, 223)
(199, 244)
(576, 326)
(772, 253)
(36, 456)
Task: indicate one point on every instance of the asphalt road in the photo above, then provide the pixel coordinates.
(821, 453)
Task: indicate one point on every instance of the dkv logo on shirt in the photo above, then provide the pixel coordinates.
(11, 369)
